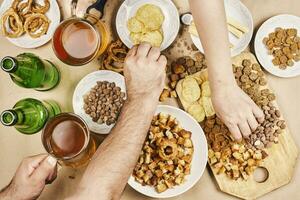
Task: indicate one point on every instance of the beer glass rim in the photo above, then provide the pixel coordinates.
(83, 147)
(79, 19)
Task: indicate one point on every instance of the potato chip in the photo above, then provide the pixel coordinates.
(205, 89)
(208, 106)
(204, 76)
(154, 38)
(151, 16)
(136, 37)
(197, 112)
(135, 26)
(190, 90)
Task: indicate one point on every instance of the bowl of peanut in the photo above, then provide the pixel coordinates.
(98, 99)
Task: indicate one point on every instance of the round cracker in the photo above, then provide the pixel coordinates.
(190, 90)
(151, 16)
(197, 111)
(135, 26)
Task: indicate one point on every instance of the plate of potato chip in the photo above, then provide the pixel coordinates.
(173, 157)
(29, 23)
(277, 45)
(152, 21)
(239, 24)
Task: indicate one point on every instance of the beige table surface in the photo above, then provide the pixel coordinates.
(15, 146)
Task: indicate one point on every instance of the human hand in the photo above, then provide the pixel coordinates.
(145, 72)
(237, 110)
(30, 178)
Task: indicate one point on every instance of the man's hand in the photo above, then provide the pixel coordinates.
(107, 174)
(239, 113)
(145, 72)
(30, 179)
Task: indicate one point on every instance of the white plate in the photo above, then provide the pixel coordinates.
(237, 10)
(25, 41)
(283, 21)
(199, 158)
(84, 86)
(170, 25)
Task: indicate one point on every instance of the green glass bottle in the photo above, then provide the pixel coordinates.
(29, 116)
(29, 71)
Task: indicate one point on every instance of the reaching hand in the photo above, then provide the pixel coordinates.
(30, 179)
(145, 72)
(237, 110)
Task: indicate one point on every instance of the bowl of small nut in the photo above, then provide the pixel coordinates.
(98, 99)
(173, 157)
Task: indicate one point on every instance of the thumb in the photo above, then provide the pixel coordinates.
(45, 169)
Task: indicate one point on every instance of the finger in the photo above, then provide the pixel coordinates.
(33, 162)
(258, 113)
(44, 170)
(244, 129)
(132, 51)
(143, 50)
(252, 122)
(52, 176)
(235, 131)
(154, 53)
(162, 60)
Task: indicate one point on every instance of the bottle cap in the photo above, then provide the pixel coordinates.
(8, 118)
(186, 18)
(8, 64)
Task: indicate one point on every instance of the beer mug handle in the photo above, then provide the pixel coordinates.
(99, 6)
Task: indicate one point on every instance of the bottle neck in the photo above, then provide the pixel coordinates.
(10, 117)
(9, 64)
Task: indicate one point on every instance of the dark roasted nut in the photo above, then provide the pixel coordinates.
(101, 102)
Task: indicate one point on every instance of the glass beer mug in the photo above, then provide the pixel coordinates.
(78, 40)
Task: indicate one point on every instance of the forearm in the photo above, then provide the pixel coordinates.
(115, 159)
(210, 19)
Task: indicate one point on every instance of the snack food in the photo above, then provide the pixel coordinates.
(234, 27)
(239, 160)
(284, 46)
(194, 100)
(228, 156)
(146, 25)
(179, 69)
(104, 102)
(25, 16)
(251, 79)
(114, 57)
(166, 156)
(190, 90)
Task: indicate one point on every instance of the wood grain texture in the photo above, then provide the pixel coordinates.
(280, 163)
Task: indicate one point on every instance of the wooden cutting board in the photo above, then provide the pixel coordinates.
(280, 163)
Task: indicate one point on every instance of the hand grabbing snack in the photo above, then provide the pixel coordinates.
(167, 154)
(239, 160)
(25, 16)
(284, 46)
(146, 25)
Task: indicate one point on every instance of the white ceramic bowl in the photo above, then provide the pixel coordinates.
(170, 25)
(25, 41)
(283, 21)
(237, 10)
(84, 86)
(199, 158)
